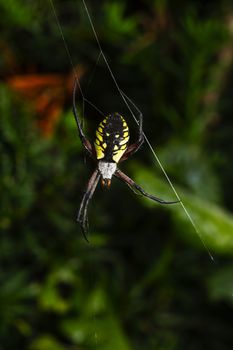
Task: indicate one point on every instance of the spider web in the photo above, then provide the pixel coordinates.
(130, 106)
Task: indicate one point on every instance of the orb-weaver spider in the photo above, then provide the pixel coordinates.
(110, 148)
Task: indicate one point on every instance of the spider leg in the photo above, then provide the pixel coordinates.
(86, 143)
(133, 186)
(82, 214)
(131, 149)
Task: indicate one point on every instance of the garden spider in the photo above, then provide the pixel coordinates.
(110, 148)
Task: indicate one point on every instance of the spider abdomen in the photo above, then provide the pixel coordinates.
(112, 136)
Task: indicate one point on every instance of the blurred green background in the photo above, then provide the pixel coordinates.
(145, 281)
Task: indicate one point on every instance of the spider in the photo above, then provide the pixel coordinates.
(110, 148)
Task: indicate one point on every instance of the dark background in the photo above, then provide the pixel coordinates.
(145, 281)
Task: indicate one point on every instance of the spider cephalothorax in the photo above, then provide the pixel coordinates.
(110, 147)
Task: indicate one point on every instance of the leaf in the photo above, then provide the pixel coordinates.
(117, 23)
(50, 298)
(214, 223)
(98, 326)
(46, 342)
(220, 284)
(17, 12)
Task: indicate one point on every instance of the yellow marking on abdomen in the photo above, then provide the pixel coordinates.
(124, 141)
(99, 152)
(123, 147)
(99, 144)
(117, 155)
(99, 136)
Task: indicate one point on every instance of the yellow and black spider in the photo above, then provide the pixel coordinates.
(110, 148)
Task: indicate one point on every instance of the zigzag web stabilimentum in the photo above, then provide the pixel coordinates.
(130, 106)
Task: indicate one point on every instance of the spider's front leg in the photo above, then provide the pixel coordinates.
(123, 177)
(82, 214)
(86, 143)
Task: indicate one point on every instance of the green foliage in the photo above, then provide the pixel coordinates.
(117, 25)
(18, 13)
(220, 285)
(214, 224)
(145, 281)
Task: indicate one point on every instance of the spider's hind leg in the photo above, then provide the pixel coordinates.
(82, 214)
(135, 187)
